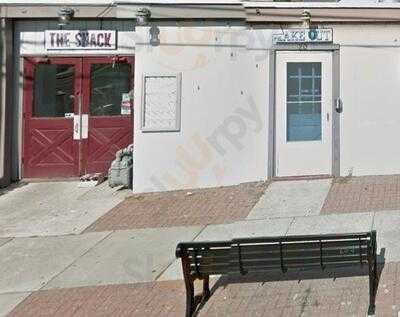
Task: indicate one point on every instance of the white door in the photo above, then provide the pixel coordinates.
(303, 113)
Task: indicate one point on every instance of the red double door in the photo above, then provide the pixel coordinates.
(78, 112)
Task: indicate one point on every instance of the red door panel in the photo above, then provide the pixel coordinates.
(106, 137)
(50, 87)
(50, 149)
(105, 80)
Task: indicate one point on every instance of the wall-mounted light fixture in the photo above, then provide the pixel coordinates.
(154, 35)
(143, 16)
(65, 15)
(306, 18)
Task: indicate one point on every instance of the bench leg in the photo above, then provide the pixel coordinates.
(190, 304)
(372, 287)
(206, 288)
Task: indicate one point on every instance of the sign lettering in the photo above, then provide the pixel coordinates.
(303, 36)
(80, 40)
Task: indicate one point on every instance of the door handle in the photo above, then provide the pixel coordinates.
(327, 116)
(338, 105)
(76, 127)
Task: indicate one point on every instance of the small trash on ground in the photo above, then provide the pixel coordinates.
(91, 180)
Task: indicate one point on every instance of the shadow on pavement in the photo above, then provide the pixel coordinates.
(11, 187)
(296, 275)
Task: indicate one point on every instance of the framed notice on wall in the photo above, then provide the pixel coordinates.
(161, 106)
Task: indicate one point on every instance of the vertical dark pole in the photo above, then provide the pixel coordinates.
(6, 91)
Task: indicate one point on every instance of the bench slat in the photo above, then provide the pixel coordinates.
(265, 269)
(211, 260)
(300, 253)
(210, 252)
(213, 269)
(300, 261)
(305, 244)
(308, 238)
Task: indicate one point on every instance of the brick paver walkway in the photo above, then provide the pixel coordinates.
(363, 194)
(343, 296)
(182, 208)
(142, 299)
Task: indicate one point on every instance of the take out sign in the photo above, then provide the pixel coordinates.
(80, 40)
(303, 36)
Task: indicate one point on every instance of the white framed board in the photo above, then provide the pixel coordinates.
(161, 103)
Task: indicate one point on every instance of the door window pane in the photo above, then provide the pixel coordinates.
(304, 102)
(53, 90)
(108, 85)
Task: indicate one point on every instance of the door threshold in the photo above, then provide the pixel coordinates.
(303, 177)
(45, 180)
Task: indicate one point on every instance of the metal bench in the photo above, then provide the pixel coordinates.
(264, 254)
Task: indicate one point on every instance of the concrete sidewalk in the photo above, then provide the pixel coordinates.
(99, 258)
(292, 198)
(33, 267)
(119, 258)
(112, 258)
(54, 208)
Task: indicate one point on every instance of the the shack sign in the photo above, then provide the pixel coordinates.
(80, 40)
(303, 36)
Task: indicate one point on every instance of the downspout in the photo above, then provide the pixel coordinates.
(5, 100)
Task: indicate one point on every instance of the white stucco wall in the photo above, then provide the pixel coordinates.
(223, 110)
(222, 67)
(370, 81)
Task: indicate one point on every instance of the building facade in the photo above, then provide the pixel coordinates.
(222, 92)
